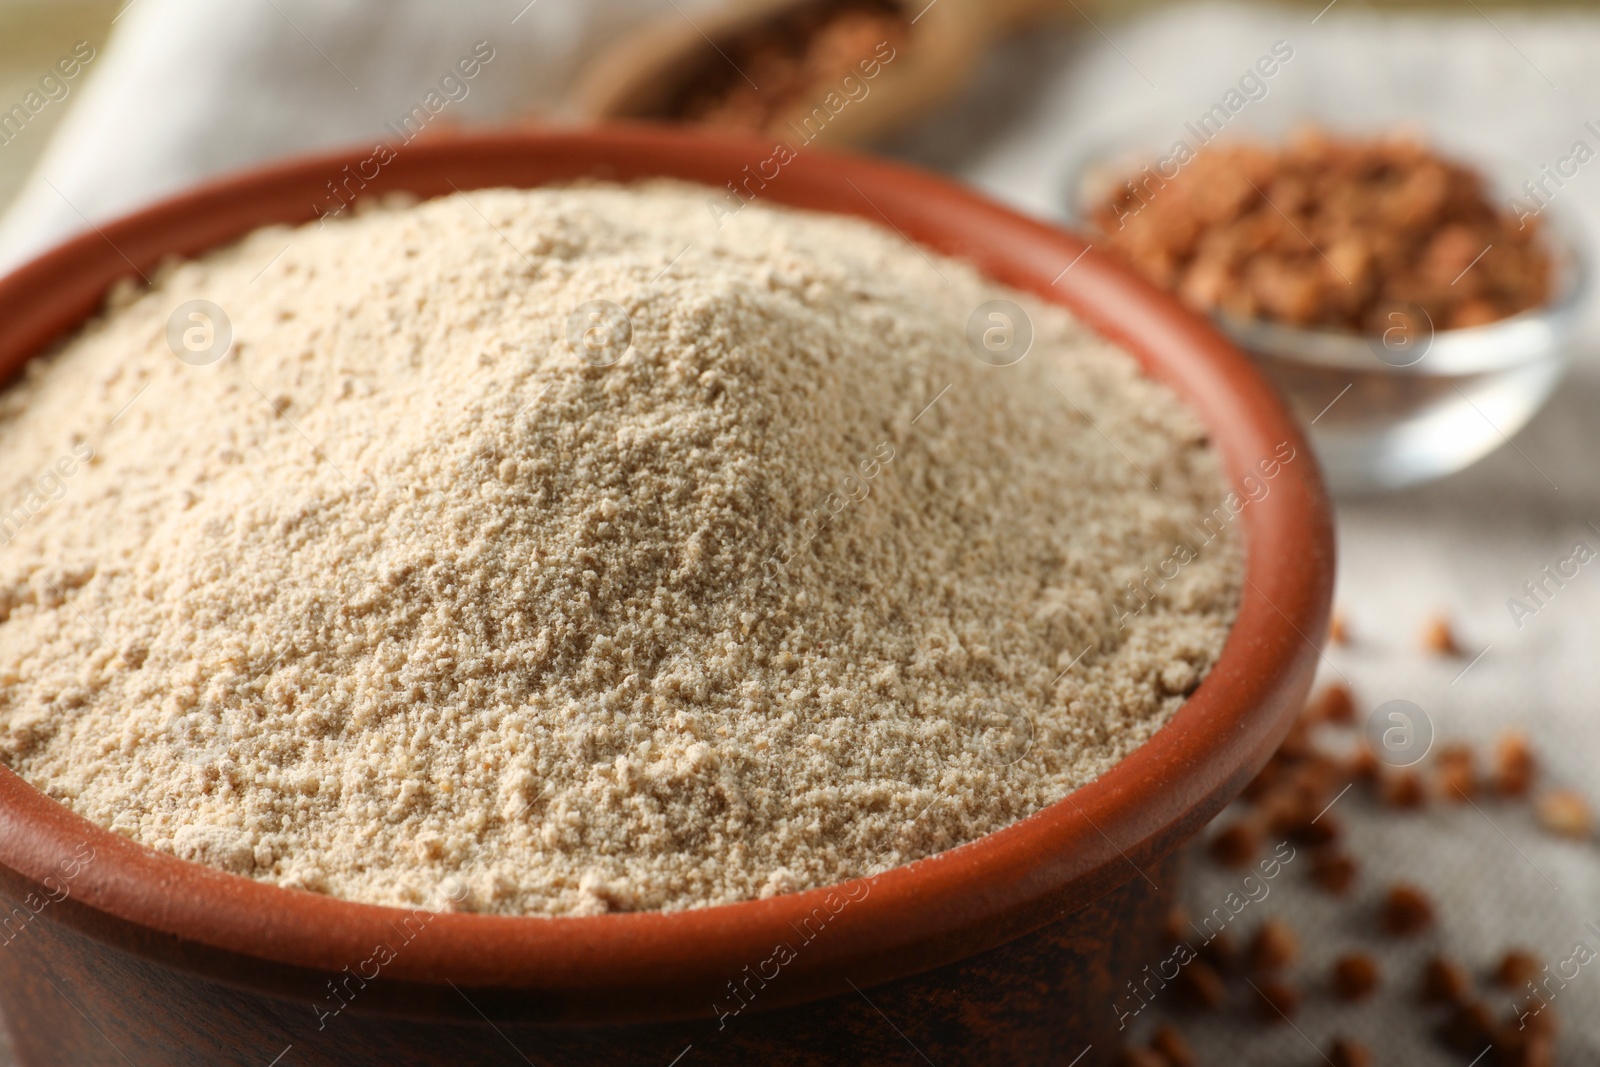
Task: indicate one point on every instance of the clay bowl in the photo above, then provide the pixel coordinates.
(1010, 950)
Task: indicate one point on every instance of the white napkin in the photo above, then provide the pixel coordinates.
(188, 89)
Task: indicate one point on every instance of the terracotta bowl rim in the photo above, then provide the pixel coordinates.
(899, 922)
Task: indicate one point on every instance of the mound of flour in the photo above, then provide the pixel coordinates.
(566, 550)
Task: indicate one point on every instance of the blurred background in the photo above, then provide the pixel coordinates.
(1453, 405)
(31, 35)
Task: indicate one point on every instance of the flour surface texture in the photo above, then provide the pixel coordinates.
(566, 549)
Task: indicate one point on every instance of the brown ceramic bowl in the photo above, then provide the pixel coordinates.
(1009, 950)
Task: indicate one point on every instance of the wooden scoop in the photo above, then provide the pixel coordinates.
(646, 75)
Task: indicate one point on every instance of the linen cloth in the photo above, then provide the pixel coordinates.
(1514, 93)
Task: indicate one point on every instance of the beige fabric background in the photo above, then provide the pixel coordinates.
(1514, 91)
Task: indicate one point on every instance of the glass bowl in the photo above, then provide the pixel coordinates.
(1417, 403)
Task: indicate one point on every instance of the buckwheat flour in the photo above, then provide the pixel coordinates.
(405, 590)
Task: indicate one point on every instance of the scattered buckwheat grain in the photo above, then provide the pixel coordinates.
(1565, 812)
